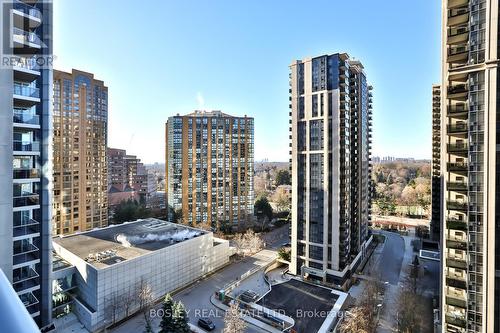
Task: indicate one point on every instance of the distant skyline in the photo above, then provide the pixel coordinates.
(160, 58)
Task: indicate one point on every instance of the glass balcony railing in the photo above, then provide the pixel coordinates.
(458, 302)
(456, 224)
(26, 146)
(456, 263)
(456, 205)
(26, 200)
(23, 247)
(27, 36)
(457, 128)
(26, 230)
(457, 167)
(456, 320)
(26, 173)
(456, 244)
(26, 91)
(456, 281)
(457, 89)
(28, 299)
(457, 186)
(457, 147)
(27, 9)
(23, 274)
(27, 63)
(23, 117)
(25, 258)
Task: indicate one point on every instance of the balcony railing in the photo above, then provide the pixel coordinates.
(454, 167)
(457, 128)
(22, 247)
(27, 9)
(26, 173)
(26, 200)
(457, 89)
(27, 36)
(23, 274)
(456, 224)
(456, 282)
(456, 263)
(457, 148)
(23, 117)
(26, 229)
(456, 244)
(457, 186)
(456, 205)
(456, 302)
(26, 146)
(26, 91)
(25, 258)
(455, 320)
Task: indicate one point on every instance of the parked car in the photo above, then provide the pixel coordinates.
(249, 296)
(206, 324)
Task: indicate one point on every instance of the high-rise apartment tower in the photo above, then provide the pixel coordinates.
(470, 146)
(25, 146)
(209, 169)
(79, 153)
(331, 117)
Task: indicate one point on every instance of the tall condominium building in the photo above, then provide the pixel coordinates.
(436, 163)
(330, 126)
(128, 178)
(25, 161)
(209, 168)
(470, 166)
(79, 152)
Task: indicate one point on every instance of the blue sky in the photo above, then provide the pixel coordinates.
(159, 58)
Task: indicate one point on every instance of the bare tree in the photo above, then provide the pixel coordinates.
(409, 315)
(129, 299)
(363, 317)
(233, 322)
(355, 321)
(144, 294)
(248, 243)
(112, 306)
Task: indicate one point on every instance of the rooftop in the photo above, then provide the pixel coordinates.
(107, 246)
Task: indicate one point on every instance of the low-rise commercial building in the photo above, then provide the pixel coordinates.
(114, 264)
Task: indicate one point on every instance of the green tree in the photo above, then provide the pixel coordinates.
(130, 210)
(283, 177)
(262, 208)
(180, 318)
(284, 254)
(167, 324)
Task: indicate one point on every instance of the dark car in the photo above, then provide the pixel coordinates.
(206, 323)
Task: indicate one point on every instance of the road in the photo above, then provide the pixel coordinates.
(196, 298)
(391, 259)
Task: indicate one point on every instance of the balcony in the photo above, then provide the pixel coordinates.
(459, 18)
(461, 168)
(29, 146)
(28, 299)
(456, 320)
(26, 41)
(25, 117)
(31, 199)
(458, 111)
(458, 149)
(28, 12)
(458, 35)
(25, 69)
(30, 227)
(458, 129)
(456, 205)
(456, 224)
(24, 259)
(23, 247)
(456, 244)
(457, 3)
(24, 278)
(456, 263)
(458, 302)
(26, 173)
(457, 186)
(25, 96)
(456, 282)
(458, 91)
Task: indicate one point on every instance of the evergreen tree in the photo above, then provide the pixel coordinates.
(180, 318)
(167, 324)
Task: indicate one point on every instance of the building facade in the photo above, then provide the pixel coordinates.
(209, 168)
(469, 167)
(436, 164)
(330, 125)
(112, 265)
(128, 178)
(79, 152)
(25, 145)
